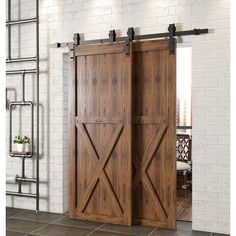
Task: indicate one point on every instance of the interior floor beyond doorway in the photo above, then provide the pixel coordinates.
(184, 205)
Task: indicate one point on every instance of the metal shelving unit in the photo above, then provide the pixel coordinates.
(23, 102)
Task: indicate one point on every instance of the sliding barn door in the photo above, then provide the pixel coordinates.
(154, 134)
(100, 158)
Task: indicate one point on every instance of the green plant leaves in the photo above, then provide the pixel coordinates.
(21, 139)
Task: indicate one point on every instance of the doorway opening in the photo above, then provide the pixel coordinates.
(184, 134)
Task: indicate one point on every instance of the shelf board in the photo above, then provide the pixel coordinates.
(20, 154)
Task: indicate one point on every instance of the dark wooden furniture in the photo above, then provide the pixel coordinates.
(184, 147)
(122, 134)
(184, 154)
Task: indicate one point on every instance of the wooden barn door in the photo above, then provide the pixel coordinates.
(154, 134)
(100, 134)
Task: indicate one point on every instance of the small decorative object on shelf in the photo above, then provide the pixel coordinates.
(22, 143)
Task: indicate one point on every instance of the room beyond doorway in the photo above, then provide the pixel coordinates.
(184, 134)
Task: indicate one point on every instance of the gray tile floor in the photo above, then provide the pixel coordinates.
(24, 222)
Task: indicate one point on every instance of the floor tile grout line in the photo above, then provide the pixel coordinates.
(34, 220)
(152, 232)
(15, 231)
(74, 226)
(9, 217)
(121, 232)
(16, 217)
(36, 234)
(180, 211)
(53, 221)
(95, 230)
(44, 226)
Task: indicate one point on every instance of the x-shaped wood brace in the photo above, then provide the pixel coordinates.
(100, 163)
(141, 174)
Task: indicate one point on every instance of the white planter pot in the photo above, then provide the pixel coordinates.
(27, 147)
(20, 147)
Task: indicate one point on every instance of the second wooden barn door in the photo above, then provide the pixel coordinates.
(154, 134)
(101, 178)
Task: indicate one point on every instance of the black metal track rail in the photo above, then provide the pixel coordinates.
(131, 36)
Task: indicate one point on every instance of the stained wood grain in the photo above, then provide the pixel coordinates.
(154, 134)
(122, 117)
(103, 168)
(72, 140)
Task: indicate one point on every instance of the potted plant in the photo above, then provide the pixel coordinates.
(27, 144)
(20, 142)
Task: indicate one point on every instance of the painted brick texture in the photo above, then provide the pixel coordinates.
(59, 20)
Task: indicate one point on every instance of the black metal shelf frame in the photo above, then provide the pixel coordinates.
(16, 22)
(23, 72)
(22, 59)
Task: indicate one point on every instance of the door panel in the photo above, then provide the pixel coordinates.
(154, 158)
(108, 138)
(103, 134)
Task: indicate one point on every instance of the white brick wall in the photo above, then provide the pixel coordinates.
(59, 19)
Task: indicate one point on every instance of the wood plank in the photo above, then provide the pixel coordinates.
(150, 45)
(99, 49)
(72, 140)
(99, 120)
(99, 218)
(154, 134)
(171, 151)
(148, 120)
(103, 120)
